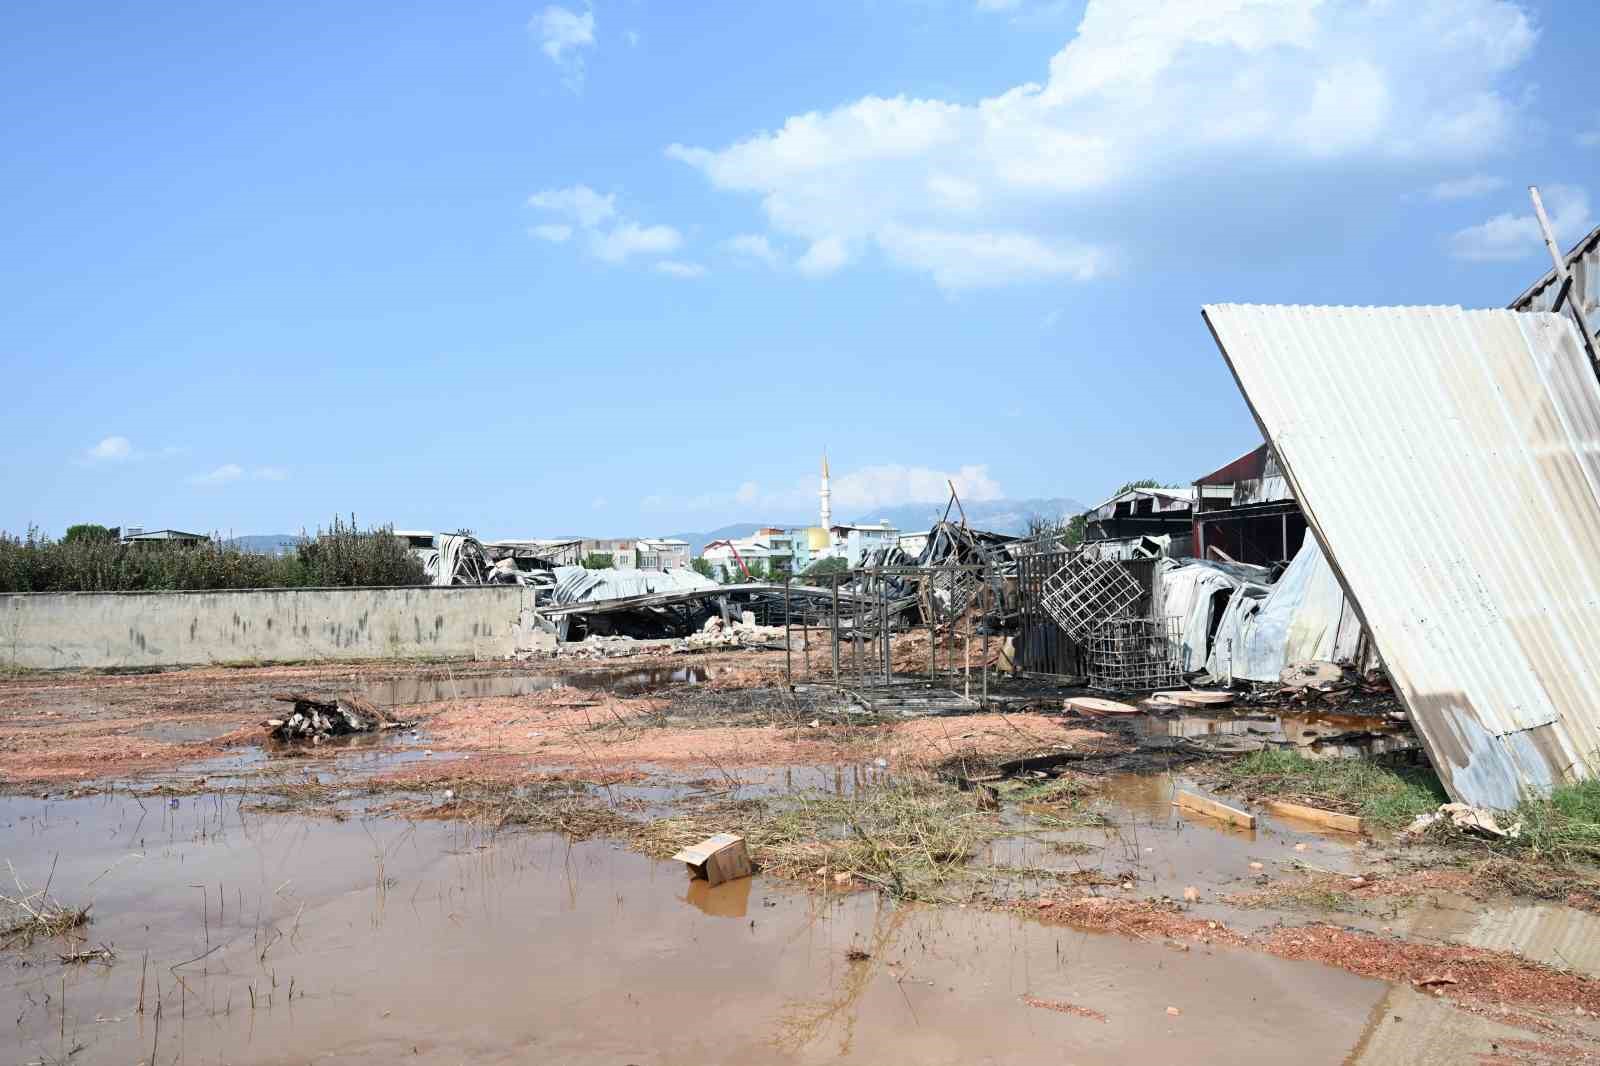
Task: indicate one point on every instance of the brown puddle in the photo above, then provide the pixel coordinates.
(374, 939)
(1313, 735)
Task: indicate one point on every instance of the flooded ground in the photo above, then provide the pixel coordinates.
(397, 896)
(271, 938)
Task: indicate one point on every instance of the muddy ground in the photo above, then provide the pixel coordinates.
(492, 883)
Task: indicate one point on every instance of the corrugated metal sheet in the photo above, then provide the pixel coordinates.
(1448, 462)
(1584, 262)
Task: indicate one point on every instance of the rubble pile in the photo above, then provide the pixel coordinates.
(315, 718)
(744, 633)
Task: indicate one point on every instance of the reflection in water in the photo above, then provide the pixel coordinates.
(731, 899)
(1317, 736)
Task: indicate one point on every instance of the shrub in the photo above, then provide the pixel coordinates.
(340, 556)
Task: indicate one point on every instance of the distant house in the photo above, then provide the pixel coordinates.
(140, 535)
(724, 556)
(643, 553)
(666, 553)
(851, 542)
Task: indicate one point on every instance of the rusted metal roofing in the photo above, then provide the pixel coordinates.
(1448, 462)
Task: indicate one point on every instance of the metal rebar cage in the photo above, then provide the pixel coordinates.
(1134, 654)
(1085, 591)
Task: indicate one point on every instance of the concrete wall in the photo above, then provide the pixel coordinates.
(104, 630)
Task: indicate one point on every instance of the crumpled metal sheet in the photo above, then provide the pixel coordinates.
(574, 584)
(1302, 617)
(1448, 461)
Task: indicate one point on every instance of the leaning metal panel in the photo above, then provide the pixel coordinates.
(1085, 592)
(1135, 654)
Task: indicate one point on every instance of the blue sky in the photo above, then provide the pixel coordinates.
(626, 268)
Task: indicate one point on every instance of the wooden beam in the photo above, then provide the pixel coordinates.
(1213, 809)
(1345, 823)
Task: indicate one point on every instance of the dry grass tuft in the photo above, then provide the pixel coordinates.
(30, 916)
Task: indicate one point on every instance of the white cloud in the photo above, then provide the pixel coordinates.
(611, 238)
(111, 449)
(231, 472)
(629, 238)
(563, 34)
(999, 5)
(823, 257)
(1509, 236)
(585, 206)
(552, 232)
(1147, 101)
(964, 259)
(1467, 188)
(756, 246)
(678, 269)
(220, 476)
(632, 37)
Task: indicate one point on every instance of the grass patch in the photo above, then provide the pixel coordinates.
(1564, 825)
(912, 836)
(1382, 795)
(1315, 894)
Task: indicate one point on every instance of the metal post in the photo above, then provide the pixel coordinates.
(1563, 278)
(883, 631)
(933, 628)
(788, 648)
(835, 578)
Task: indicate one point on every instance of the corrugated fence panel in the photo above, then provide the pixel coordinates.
(1448, 462)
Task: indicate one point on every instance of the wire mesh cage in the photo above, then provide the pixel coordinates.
(1134, 654)
(1085, 592)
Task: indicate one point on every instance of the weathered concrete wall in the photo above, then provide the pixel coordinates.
(106, 630)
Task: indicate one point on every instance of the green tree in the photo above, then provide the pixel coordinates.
(826, 567)
(597, 561)
(1143, 483)
(89, 531)
(699, 565)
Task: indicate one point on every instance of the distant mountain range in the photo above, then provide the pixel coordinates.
(997, 516)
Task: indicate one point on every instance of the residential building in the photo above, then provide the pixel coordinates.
(643, 553)
(724, 557)
(851, 542)
(668, 553)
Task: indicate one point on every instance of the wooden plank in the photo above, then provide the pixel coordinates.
(1094, 707)
(1345, 823)
(1211, 808)
(1185, 697)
